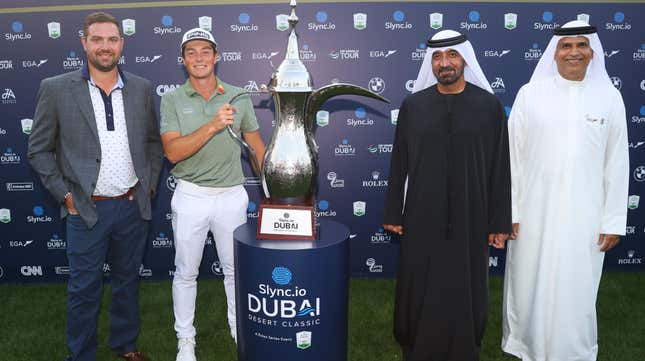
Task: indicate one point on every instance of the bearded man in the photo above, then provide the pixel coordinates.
(449, 196)
(95, 144)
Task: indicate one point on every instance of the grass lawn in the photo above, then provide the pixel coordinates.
(33, 321)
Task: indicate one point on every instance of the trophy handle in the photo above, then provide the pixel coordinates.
(252, 155)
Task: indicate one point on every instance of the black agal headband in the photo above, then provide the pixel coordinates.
(579, 30)
(440, 43)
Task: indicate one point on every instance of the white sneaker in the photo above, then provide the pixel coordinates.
(186, 347)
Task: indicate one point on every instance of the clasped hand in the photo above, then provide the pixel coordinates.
(497, 240)
(223, 117)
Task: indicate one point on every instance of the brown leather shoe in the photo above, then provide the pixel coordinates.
(134, 356)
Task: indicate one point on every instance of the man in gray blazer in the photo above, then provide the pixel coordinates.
(95, 144)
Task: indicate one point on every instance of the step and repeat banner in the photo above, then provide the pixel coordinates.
(376, 45)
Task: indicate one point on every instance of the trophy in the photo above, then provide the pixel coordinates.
(290, 167)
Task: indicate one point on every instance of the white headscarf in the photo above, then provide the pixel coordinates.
(456, 41)
(596, 72)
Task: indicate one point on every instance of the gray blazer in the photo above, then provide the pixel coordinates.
(64, 146)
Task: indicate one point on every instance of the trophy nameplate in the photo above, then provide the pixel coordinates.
(287, 221)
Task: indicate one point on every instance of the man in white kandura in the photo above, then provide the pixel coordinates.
(570, 174)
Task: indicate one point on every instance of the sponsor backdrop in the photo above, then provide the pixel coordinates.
(375, 45)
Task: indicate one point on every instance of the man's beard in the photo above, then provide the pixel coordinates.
(448, 79)
(100, 67)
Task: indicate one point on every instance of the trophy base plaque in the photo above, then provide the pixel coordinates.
(278, 221)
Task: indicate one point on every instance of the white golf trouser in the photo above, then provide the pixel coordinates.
(195, 210)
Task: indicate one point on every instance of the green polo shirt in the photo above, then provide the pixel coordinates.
(217, 163)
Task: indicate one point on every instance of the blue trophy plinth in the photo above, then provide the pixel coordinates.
(291, 296)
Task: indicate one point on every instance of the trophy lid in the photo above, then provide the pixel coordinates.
(292, 75)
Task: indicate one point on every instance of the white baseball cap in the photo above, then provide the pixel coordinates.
(198, 34)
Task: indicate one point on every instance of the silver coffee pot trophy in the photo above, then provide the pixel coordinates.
(290, 167)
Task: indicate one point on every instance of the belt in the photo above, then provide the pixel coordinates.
(192, 188)
(129, 193)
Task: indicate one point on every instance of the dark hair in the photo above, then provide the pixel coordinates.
(100, 17)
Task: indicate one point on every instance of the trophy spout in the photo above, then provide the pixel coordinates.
(320, 96)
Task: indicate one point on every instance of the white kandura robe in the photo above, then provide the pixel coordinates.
(570, 175)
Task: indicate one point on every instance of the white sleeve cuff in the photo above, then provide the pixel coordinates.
(614, 225)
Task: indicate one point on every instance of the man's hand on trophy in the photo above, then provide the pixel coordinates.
(398, 229)
(223, 117)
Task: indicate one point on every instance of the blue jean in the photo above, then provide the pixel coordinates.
(118, 238)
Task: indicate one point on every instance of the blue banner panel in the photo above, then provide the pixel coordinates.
(375, 45)
(291, 296)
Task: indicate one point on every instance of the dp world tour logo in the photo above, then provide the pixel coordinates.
(283, 304)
